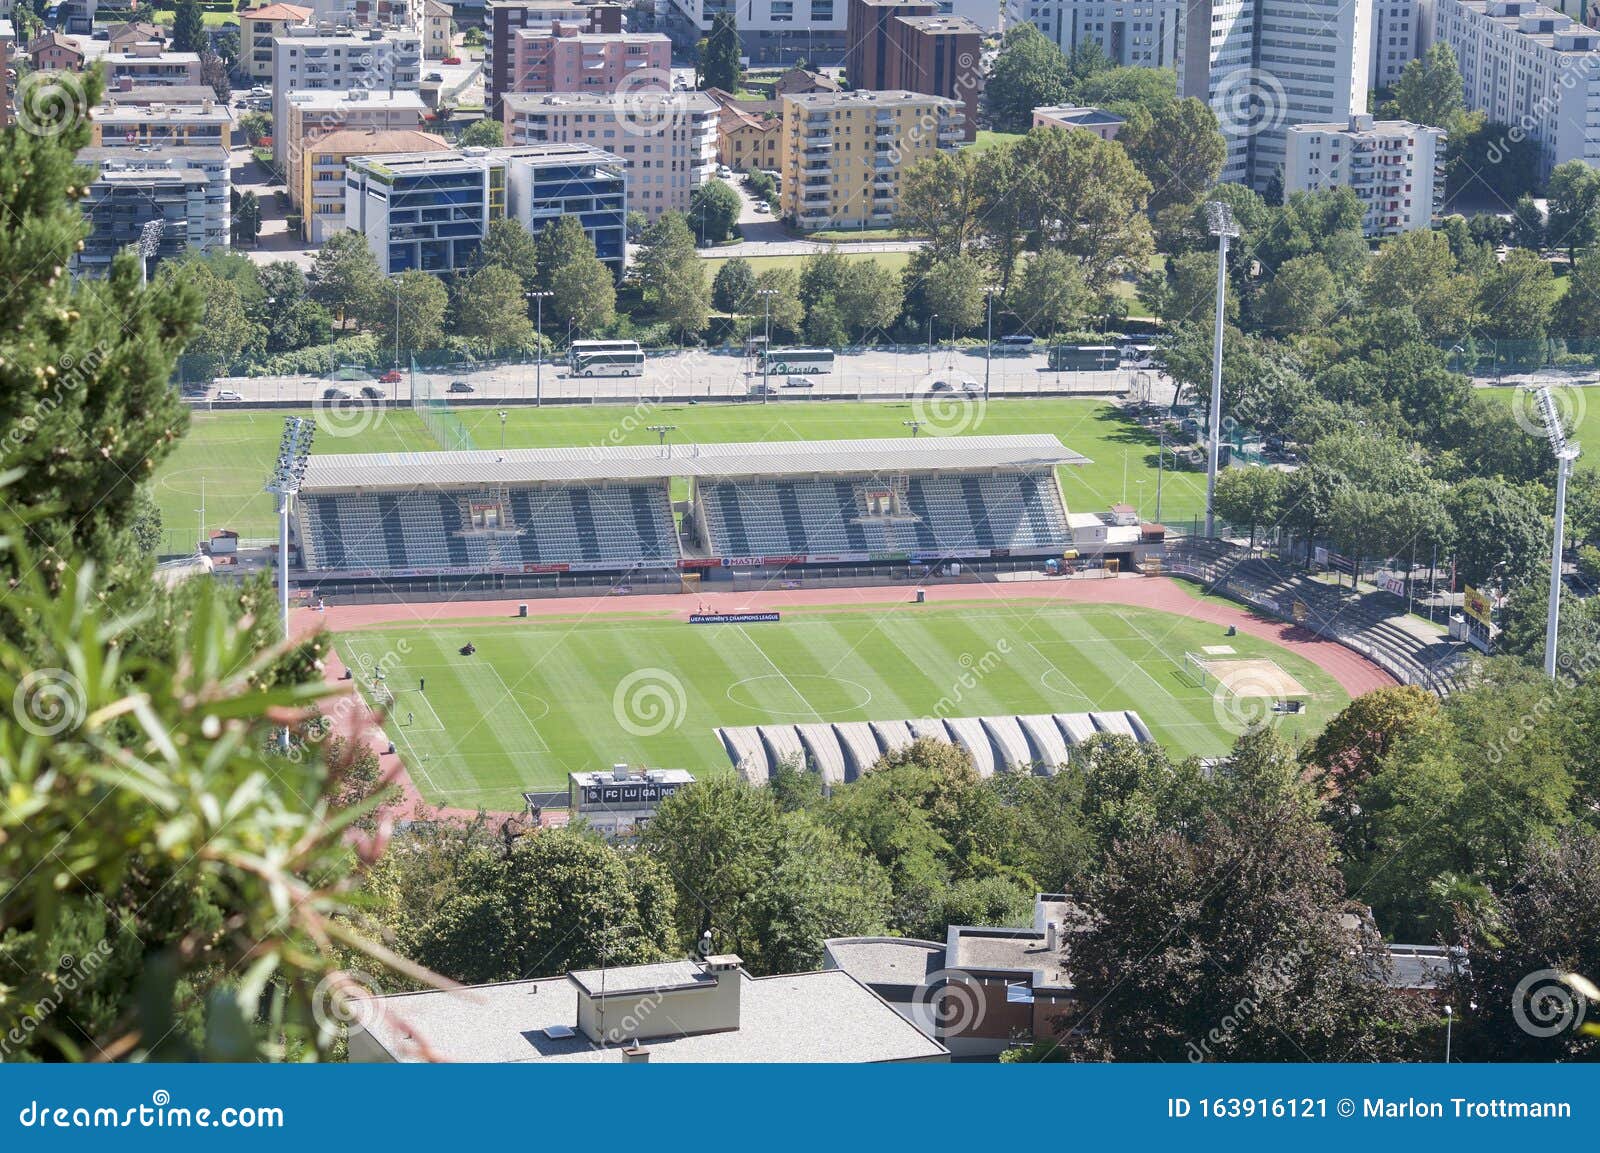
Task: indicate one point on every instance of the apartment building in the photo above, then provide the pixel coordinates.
(1396, 39)
(668, 140)
(774, 31)
(148, 63)
(1096, 120)
(1265, 65)
(53, 52)
(1395, 167)
(506, 17)
(843, 153)
(314, 115)
(896, 45)
(1530, 67)
(707, 1010)
(748, 132)
(320, 193)
(158, 123)
(8, 47)
(1131, 34)
(430, 210)
(564, 58)
(184, 188)
(258, 27)
(438, 30)
(308, 61)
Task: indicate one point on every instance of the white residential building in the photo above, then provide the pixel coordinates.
(777, 31)
(1264, 65)
(1395, 39)
(668, 139)
(374, 62)
(1395, 168)
(1141, 33)
(1529, 67)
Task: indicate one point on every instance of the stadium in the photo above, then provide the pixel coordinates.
(524, 614)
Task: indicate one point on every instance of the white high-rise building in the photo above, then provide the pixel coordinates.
(1395, 39)
(1264, 65)
(375, 62)
(1531, 68)
(776, 31)
(1395, 168)
(1132, 33)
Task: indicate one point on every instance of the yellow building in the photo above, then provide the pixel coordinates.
(748, 132)
(258, 26)
(320, 196)
(322, 112)
(159, 123)
(844, 153)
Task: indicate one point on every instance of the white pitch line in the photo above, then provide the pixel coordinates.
(799, 696)
(526, 719)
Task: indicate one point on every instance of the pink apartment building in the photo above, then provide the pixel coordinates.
(562, 57)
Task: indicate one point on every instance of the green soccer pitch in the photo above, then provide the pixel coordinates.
(543, 697)
(226, 456)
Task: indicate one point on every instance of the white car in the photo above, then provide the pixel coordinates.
(724, 172)
(968, 387)
(228, 394)
(763, 206)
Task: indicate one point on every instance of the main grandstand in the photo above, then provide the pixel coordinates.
(523, 519)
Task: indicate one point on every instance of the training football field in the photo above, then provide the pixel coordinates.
(544, 697)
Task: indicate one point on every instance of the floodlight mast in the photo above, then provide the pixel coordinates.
(288, 473)
(1220, 223)
(1565, 454)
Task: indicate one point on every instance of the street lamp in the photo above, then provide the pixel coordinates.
(396, 283)
(538, 325)
(1565, 455)
(766, 295)
(932, 316)
(661, 431)
(1220, 223)
(914, 425)
(502, 430)
(294, 452)
(1449, 1020)
(988, 340)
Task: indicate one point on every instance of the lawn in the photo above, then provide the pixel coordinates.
(542, 698)
(1582, 426)
(987, 139)
(232, 452)
(893, 261)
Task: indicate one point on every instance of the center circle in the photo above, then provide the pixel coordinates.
(799, 695)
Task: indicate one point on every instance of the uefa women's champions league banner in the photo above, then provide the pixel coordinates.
(733, 618)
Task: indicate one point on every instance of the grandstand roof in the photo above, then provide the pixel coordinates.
(407, 470)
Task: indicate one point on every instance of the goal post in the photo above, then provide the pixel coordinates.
(1196, 672)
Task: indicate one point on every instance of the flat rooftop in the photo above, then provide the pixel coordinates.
(1012, 950)
(890, 98)
(885, 961)
(633, 98)
(825, 1016)
(346, 472)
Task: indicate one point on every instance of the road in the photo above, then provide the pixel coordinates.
(765, 236)
(699, 374)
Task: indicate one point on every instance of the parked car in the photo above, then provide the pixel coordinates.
(968, 387)
(337, 394)
(763, 206)
(391, 377)
(459, 386)
(228, 394)
(759, 389)
(451, 60)
(798, 382)
(724, 172)
(372, 392)
(434, 78)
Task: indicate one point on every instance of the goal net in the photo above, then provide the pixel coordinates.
(1196, 672)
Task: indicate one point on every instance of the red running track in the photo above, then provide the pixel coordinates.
(1354, 673)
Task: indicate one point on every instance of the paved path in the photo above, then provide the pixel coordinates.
(1354, 673)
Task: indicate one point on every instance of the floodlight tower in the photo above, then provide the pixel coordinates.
(1220, 223)
(148, 246)
(1565, 454)
(294, 451)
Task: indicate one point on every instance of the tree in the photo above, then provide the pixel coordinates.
(719, 67)
(1180, 153)
(483, 133)
(584, 288)
(1511, 998)
(1251, 496)
(1029, 72)
(673, 275)
(345, 278)
(1127, 91)
(1517, 297)
(1357, 742)
(1574, 207)
(714, 210)
(214, 72)
(733, 288)
(941, 198)
(953, 290)
(1301, 297)
(1576, 317)
(825, 324)
(247, 219)
(422, 303)
(783, 307)
(1417, 271)
(869, 297)
(509, 245)
(822, 275)
(489, 305)
(1500, 533)
(1049, 294)
(1227, 940)
(188, 27)
(227, 336)
(285, 311)
(1527, 223)
(1430, 90)
(1488, 158)
(1191, 290)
